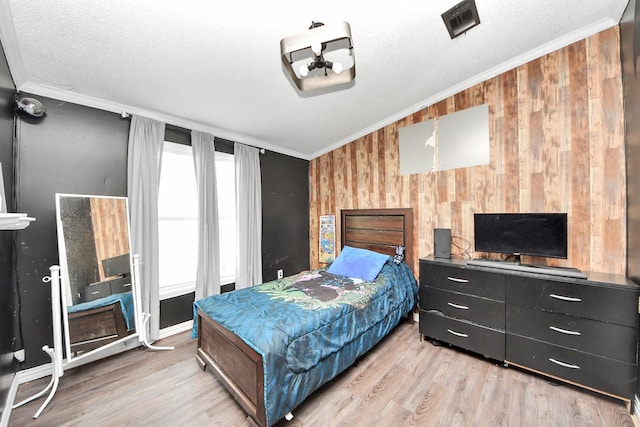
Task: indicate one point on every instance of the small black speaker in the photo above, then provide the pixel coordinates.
(442, 242)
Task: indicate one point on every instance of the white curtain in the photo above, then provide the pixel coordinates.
(146, 137)
(208, 272)
(249, 216)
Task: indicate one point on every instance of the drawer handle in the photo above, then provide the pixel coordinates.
(458, 334)
(564, 331)
(455, 279)
(563, 364)
(563, 298)
(95, 292)
(461, 307)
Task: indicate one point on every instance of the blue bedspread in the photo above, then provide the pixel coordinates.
(311, 326)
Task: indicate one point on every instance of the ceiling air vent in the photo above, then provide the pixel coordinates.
(461, 18)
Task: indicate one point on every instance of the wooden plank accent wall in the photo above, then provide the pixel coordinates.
(557, 145)
(110, 228)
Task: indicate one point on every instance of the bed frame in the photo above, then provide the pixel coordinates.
(380, 230)
(237, 365)
(95, 327)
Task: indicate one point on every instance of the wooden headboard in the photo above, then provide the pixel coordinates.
(379, 230)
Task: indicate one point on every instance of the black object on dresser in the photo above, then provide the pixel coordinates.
(582, 331)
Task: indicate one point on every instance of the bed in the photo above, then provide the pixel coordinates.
(274, 344)
(95, 323)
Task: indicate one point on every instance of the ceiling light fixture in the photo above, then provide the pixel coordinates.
(320, 57)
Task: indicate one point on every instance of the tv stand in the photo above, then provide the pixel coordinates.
(529, 268)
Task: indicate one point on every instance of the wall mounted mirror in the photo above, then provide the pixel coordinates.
(97, 300)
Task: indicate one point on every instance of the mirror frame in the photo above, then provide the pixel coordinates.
(113, 347)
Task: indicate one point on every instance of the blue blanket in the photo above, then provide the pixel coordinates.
(311, 326)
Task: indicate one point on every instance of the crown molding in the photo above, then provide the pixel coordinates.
(10, 45)
(101, 104)
(519, 60)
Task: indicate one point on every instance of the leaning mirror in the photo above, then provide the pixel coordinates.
(98, 305)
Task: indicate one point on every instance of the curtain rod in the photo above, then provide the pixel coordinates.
(126, 115)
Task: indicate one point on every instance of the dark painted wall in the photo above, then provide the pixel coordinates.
(76, 149)
(174, 311)
(285, 215)
(630, 52)
(7, 286)
(73, 149)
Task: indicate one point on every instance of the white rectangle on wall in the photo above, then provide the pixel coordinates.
(454, 141)
(417, 148)
(463, 138)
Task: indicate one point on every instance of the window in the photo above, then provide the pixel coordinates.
(178, 219)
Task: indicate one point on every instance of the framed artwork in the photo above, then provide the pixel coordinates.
(327, 253)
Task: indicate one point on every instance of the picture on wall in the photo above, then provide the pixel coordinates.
(327, 251)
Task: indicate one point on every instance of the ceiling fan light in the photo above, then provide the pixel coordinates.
(333, 38)
(337, 67)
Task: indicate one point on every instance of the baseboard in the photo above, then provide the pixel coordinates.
(175, 329)
(8, 404)
(45, 370)
(34, 373)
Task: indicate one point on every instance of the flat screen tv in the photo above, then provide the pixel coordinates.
(117, 266)
(535, 234)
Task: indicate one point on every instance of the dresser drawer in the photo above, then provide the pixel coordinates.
(119, 286)
(479, 339)
(484, 311)
(611, 376)
(96, 290)
(590, 336)
(464, 280)
(609, 304)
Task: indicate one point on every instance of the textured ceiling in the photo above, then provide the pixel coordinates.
(216, 67)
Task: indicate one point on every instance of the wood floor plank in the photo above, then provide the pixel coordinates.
(401, 382)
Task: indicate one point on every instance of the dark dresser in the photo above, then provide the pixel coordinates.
(582, 331)
(463, 306)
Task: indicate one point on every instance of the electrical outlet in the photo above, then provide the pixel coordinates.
(19, 355)
(280, 274)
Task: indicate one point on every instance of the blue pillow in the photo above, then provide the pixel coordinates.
(358, 263)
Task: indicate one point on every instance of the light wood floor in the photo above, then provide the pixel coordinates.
(401, 382)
